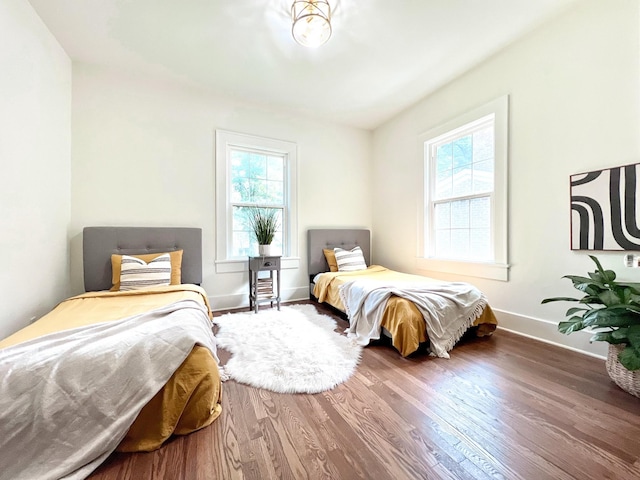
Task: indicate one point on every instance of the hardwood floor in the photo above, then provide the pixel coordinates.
(504, 407)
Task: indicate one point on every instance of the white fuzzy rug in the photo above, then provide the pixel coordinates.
(294, 350)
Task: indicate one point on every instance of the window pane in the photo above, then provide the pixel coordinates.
(240, 222)
(483, 176)
(443, 215)
(460, 214)
(275, 168)
(443, 243)
(239, 164)
(462, 181)
(258, 166)
(480, 213)
(443, 187)
(242, 233)
(242, 246)
(277, 243)
(274, 193)
(462, 151)
(460, 243)
(257, 191)
(481, 244)
(240, 190)
(483, 144)
(444, 157)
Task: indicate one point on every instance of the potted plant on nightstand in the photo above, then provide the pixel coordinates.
(612, 309)
(264, 222)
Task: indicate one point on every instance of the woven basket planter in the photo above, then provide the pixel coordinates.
(627, 380)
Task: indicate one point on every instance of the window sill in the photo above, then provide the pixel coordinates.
(234, 266)
(492, 271)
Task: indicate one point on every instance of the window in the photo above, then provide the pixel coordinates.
(465, 201)
(253, 173)
(461, 190)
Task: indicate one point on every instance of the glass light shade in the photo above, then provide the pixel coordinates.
(311, 22)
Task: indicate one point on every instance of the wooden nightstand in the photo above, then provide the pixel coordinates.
(263, 290)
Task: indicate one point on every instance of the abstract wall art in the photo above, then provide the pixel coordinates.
(604, 209)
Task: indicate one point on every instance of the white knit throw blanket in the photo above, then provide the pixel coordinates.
(67, 399)
(449, 309)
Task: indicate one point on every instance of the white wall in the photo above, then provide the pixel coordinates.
(35, 149)
(574, 89)
(143, 154)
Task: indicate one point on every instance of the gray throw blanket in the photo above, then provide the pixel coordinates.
(67, 399)
(449, 309)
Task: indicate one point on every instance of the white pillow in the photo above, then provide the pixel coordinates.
(350, 260)
(136, 273)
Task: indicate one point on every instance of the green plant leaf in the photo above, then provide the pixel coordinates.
(634, 287)
(596, 277)
(607, 275)
(592, 289)
(609, 317)
(630, 358)
(572, 325)
(633, 334)
(620, 333)
(585, 283)
(601, 278)
(578, 278)
(560, 299)
(590, 299)
(603, 337)
(633, 307)
(610, 298)
(574, 310)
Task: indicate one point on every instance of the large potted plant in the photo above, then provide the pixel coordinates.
(264, 223)
(612, 310)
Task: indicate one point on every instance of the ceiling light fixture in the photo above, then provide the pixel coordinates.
(311, 22)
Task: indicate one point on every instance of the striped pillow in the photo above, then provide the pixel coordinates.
(350, 260)
(136, 273)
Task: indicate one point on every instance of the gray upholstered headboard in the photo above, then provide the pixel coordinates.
(98, 243)
(346, 238)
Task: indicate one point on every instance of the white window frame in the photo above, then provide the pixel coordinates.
(499, 268)
(225, 140)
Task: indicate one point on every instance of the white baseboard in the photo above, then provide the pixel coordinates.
(241, 300)
(547, 331)
(535, 328)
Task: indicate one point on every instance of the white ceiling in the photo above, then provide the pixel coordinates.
(383, 56)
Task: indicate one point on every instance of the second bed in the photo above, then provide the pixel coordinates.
(402, 321)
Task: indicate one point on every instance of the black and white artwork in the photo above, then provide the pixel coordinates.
(604, 211)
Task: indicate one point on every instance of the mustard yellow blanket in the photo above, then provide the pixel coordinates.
(102, 306)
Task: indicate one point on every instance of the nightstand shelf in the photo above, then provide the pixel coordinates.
(265, 289)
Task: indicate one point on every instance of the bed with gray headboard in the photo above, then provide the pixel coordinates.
(99, 243)
(401, 320)
(123, 338)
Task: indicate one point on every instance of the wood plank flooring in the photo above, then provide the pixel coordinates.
(505, 407)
